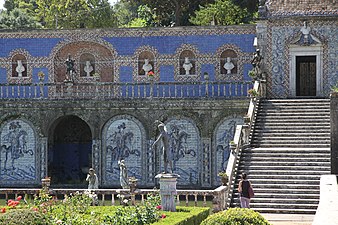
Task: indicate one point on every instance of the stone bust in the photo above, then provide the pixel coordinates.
(187, 65)
(147, 66)
(88, 68)
(20, 68)
(228, 65)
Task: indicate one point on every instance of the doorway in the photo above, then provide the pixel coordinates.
(306, 76)
(69, 152)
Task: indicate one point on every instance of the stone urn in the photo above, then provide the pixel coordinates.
(132, 184)
(224, 178)
(46, 183)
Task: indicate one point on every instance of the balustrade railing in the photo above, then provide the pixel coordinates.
(101, 90)
(241, 138)
(216, 196)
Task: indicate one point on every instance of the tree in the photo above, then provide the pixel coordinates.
(174, 12)
(16, 19)
(69, 14)
(125, 12)
(222, 12)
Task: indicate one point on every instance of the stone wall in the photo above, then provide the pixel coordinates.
(279, 37)
(118, 55)
(200, 133)
(334, 132)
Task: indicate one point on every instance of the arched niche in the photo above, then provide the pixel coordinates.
(19, 155)
(146, 62)
(69, 152)
(87, 65)
(187, 63)
(228, 62)
(103, 58)
(19, 66)
(123, 137)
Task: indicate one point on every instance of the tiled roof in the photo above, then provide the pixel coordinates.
(280, 8)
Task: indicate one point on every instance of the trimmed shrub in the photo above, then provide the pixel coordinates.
(24, 217)
(236, 216)
(184, 216)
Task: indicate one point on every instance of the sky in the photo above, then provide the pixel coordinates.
(2, 3)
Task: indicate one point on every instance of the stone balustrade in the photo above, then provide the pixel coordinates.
(102, 90)
(217, 196)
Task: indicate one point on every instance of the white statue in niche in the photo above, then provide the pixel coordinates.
(88, 68)
(147, 66)
(187, 65)
(20, 68)
(305, 30)
(228, 65)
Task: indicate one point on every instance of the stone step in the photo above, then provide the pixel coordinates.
(284, 181)
(293, 196)
(272, 145)
(284, 191)
(285, 172)
(284, 211)
(291, 138)
(257, 199)
(295, 125)
(272, 159)
(293, 131)
(262, 134)
(254, 205)
(312, 177)
(253, 163)
(291, 150)
(299, 149)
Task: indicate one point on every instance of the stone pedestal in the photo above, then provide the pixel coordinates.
(168, 191)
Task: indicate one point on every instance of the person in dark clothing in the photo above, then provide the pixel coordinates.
(243, 190)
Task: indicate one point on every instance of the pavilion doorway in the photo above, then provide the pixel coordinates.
(69, 152)
(306, 76)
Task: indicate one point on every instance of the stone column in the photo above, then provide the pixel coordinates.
(168, 191)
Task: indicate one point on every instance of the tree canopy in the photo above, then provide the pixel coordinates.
(222, 12)
(70, 14)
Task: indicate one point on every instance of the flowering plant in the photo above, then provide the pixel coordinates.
(41, 76)
(151, 74)
(222, 174)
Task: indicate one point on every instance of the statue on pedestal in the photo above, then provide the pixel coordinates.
(123, 174)
(70, 69)
(93, 181)
(166, 150)
(256, 63)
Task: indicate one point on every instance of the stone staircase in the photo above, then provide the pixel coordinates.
(290, 149)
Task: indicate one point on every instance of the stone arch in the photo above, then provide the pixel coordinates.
(20, 158)
(69, 151)
(235, 54)
(186, 145)
(25, 58)
(103, 52)
(190, 51)
(223, 134)
(124, 137)
(141, 54)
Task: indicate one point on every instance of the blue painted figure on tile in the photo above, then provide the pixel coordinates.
(14, 145)
(121, 144)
